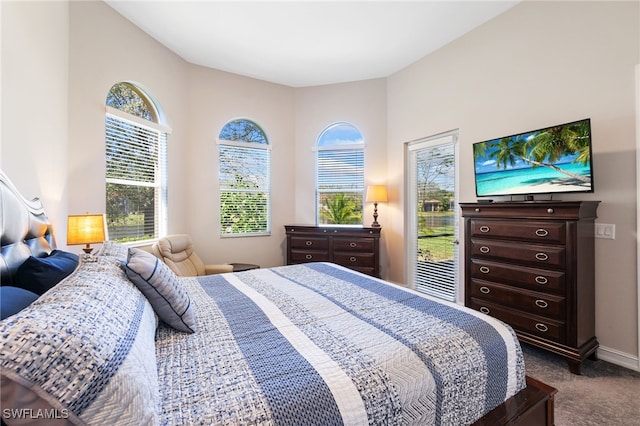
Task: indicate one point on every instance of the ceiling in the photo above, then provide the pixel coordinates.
(307, 43)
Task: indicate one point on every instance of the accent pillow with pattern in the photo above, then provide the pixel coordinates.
(162, 288)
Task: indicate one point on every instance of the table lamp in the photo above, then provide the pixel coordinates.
(85, 229)
(376, 194)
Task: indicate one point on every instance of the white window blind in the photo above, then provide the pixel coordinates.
(135, 175)
(432, 239)
(340, 170)
(339, 175)
(244, 177)
(340, 186)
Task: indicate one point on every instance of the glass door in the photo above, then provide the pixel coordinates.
(432, 220)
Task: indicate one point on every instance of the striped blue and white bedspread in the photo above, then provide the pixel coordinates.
(318, 344)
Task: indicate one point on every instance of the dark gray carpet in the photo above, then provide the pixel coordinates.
(604, 394)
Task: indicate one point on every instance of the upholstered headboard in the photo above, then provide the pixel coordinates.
(25, 229)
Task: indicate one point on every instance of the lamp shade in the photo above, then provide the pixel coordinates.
(376, 194)
(85, 229)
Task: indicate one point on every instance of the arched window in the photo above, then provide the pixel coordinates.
(340, 175)
(136, 160)
(245, 156)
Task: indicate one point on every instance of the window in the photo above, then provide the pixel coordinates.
(340, 175)
(432, 222)
(136, 157)
(244, 175)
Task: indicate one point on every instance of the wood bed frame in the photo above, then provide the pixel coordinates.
(534, 405)
(26, 230)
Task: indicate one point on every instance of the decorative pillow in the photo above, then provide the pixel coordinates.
(39, 274)
(14, 299)
(163, 289)
(83, 352)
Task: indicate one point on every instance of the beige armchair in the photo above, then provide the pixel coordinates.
(177, 252)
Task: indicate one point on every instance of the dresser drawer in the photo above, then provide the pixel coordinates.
(541, 256)
(522, 321)
(353, 244)
(309, 242)
(543, 304)
(552, 232)
(353, 260)
(302, 256)
(532, 278)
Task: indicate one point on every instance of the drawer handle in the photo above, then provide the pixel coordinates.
(542, 256)
(484, 269)
(353, 259)
(352, 244)
(484, 249)
(309, 243)
(485, 290)
(541, 303)
(309, 257)
(477, 209)
(541, 280)
(484, 228)
(542, 327)
(484, 310)
(542, 232)
(549, 211)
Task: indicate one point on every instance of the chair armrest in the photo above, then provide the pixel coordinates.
(217, 269)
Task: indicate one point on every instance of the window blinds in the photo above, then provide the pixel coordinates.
(244, 188)
(340, 170)
(433, 254)
(136, 158)
(133, 152)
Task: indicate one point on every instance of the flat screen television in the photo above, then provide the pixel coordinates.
(554, 159)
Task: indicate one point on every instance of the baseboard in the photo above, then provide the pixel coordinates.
(619, 358)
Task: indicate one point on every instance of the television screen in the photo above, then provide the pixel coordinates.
(545, 161)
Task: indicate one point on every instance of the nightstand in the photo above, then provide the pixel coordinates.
(239, 267)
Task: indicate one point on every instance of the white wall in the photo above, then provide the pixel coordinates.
(538, 64)
(35, 90)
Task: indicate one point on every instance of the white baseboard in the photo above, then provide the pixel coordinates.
(619, 358)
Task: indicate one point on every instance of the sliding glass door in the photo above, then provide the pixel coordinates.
(432, 220)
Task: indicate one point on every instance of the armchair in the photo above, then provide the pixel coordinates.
(177, 252)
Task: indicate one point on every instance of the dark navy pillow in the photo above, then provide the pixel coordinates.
(39, 274)
(14, 299)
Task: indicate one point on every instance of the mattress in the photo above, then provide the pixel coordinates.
(319, 344)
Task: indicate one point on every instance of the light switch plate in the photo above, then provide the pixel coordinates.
(606, 230)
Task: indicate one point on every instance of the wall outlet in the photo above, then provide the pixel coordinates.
(606, 230)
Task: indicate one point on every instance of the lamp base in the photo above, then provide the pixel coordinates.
(88, 249)
(375, 223)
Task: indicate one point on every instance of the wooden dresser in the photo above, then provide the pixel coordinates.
(531, 264)
(356, 248)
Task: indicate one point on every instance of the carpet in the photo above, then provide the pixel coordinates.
(604, 394)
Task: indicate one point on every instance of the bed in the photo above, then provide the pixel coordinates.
(121, 340)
